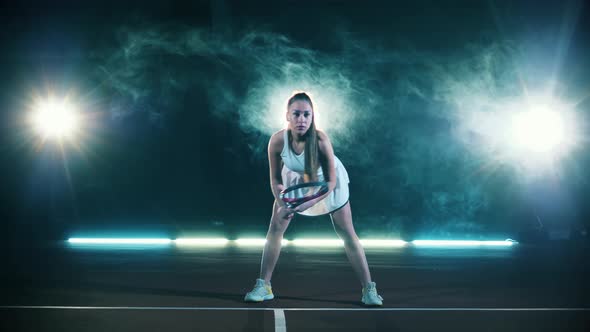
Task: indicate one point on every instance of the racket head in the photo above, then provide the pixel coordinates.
(298, 194)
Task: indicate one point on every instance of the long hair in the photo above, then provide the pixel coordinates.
(312, 163)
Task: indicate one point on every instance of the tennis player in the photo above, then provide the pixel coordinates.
(299, 154)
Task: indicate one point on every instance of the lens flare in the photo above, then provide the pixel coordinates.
(55, 118)
(540, 130)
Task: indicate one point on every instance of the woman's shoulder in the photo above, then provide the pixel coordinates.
(277, 140)
(279, 135)
(322, 135)
(324, 144)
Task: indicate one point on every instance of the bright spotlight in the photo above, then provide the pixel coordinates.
(539, 130)
(533, 133)
(55, 119)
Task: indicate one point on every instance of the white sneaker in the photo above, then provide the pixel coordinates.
(370, 296)
(261, 292)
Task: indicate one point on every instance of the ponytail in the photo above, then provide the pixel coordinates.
(312, 163)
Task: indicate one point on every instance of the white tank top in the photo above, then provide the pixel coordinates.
(292, 174)
(293, 161)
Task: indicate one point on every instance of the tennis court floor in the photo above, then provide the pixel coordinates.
(57, 287)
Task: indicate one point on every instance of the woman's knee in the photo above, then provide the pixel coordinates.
(278, 226)
(276, 230)
(347, 235)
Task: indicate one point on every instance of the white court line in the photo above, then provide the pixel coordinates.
(284, 309)
(280, 323)
(279, 313)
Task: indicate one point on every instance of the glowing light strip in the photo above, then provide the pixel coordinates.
(460, 243)
(201, 242)
(383, 243)
(317, 243)
(297, 242)
(321, 242)
(117, 241)
(256, 242)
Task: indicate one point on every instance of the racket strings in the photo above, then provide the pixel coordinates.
(301, 193)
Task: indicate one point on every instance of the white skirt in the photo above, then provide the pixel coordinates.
(334, 201)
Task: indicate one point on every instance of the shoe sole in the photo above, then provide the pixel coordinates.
(373, 305)
(266, 298)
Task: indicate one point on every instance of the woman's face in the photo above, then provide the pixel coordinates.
(299, 116)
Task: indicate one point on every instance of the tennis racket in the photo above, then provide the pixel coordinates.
(304, 192)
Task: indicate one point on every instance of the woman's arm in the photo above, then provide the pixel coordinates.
(275, 146)
(326, 155)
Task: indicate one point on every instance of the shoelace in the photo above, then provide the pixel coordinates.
(371, 289)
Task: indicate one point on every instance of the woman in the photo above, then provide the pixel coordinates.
(298, 154)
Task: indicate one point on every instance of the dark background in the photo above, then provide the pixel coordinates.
(175, 98)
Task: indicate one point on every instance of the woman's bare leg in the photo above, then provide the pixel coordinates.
(272, 248)
(342, 221)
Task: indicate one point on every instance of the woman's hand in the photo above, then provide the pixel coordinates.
(305, 205)
(316, 200)
(285, 212)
